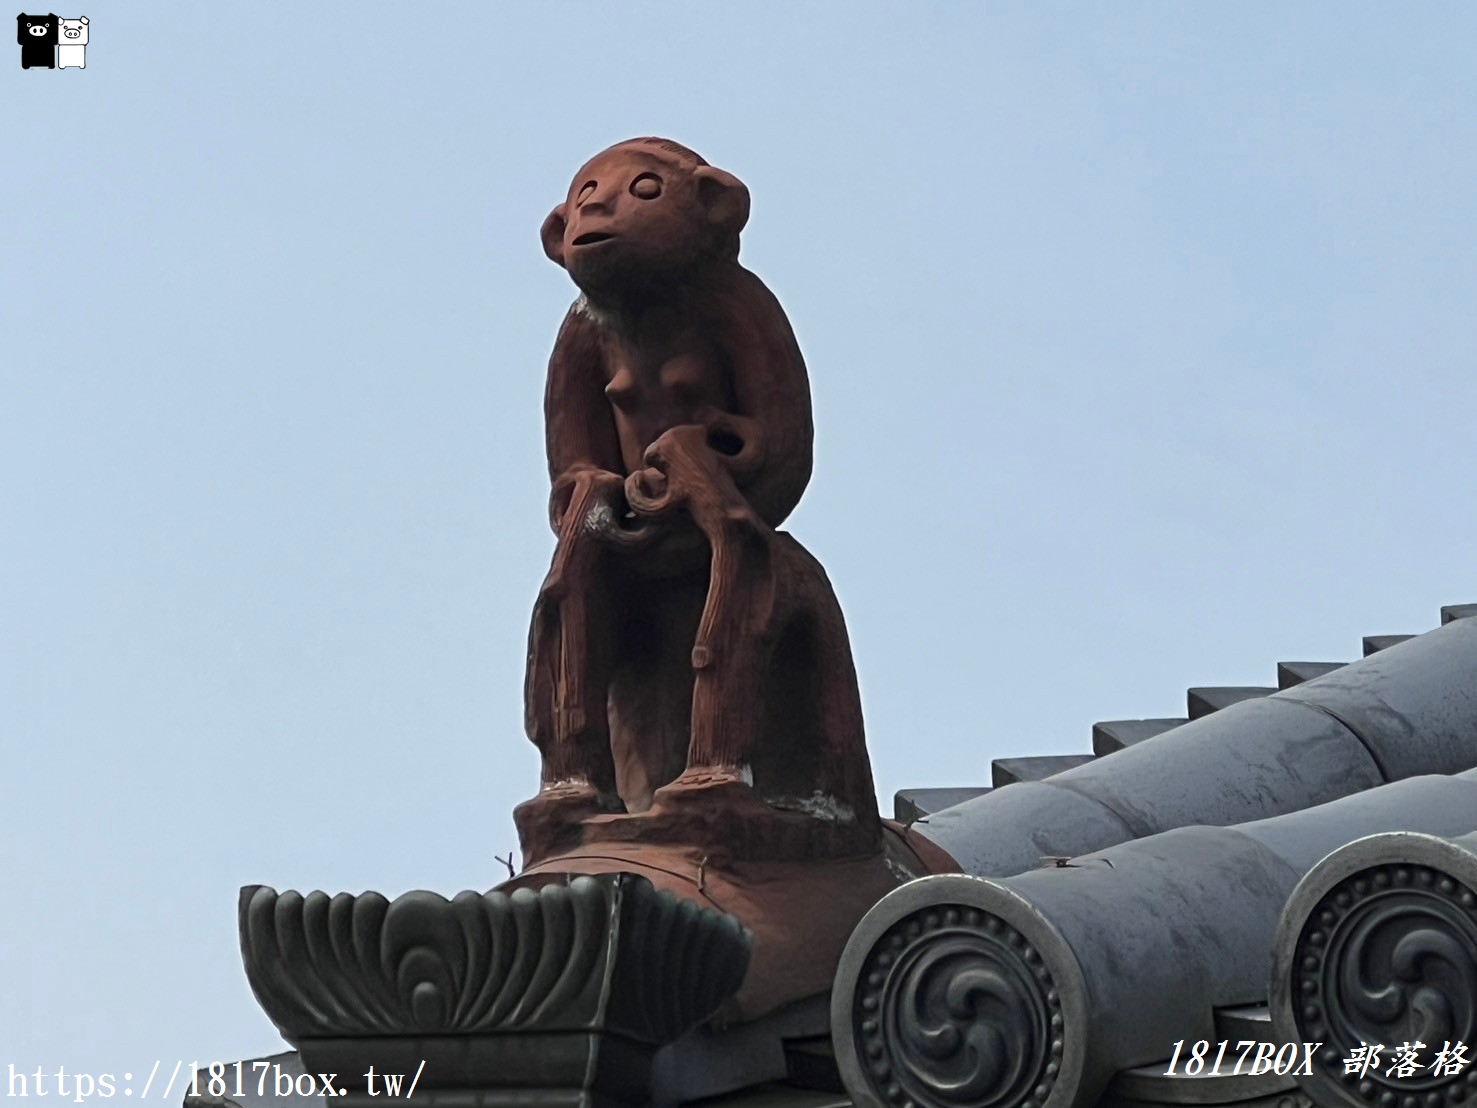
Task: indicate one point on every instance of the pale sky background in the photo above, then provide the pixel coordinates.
(1142, 347)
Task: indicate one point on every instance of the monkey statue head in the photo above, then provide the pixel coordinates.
(644, 214)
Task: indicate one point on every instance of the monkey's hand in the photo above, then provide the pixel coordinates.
(583, 490)
(715, 440)
(649, 492)
(683, 469)
(676, 467)
(589, 502)
(735, 439)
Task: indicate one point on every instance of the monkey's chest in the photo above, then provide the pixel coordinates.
(650, 396)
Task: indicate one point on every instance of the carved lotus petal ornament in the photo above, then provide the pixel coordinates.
(607, 966)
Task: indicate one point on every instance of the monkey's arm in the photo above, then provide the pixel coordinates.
(771, 388)
(579, 428)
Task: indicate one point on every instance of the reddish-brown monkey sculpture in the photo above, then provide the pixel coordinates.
(680, 643)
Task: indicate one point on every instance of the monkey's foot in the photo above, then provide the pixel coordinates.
(566, 802)
(576, 795)
(705, 784)
(552, 819)
(702, 776)
(716, 811)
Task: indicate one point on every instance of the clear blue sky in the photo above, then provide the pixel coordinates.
(1142, 346)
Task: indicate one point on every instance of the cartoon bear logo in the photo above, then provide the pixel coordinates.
(72, 46)
(38, 38)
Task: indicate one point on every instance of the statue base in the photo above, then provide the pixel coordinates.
(799, 883)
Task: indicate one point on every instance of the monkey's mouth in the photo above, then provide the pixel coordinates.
(590, 238)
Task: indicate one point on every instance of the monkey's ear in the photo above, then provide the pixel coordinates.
(552, 232)
(724, 196)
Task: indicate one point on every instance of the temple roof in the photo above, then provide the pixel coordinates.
(1285, 864)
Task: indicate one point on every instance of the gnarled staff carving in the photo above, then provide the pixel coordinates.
(680, 642)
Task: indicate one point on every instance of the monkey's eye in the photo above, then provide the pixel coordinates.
(648, 186)
(584, 194)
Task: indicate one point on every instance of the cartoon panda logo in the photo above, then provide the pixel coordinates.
(71, 48)
(37, 35)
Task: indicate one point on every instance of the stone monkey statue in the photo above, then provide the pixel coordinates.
(680, 643)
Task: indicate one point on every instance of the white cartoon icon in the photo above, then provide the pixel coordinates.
(72, 44)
